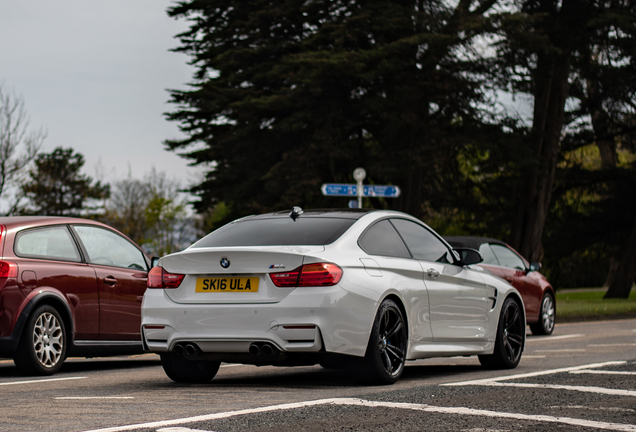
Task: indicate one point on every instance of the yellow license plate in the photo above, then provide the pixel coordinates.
(227, 284)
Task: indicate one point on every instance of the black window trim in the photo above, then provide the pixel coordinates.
(440, 238)
(523, 260)
(386, 218)
(82, 258)
(78, 239)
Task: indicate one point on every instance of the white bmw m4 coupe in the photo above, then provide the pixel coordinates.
(366, 290)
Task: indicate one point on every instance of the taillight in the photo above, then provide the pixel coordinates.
(158, 277)
(8, 269)
(309, 275)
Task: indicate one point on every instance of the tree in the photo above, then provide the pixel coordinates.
(152, 212)
(546, 45)
(126, 208)
(291, 94)
(57, 188)
(575, 59)
(169, 227)
(19, 145)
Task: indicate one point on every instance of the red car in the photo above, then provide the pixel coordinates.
(505, 262)
(68, 286)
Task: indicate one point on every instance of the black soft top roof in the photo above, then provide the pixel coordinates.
(471, 242)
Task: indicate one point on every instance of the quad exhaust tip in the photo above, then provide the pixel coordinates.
(187, 349)
(264, 349)
(257, 349)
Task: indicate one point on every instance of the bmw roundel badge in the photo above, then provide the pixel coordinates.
(225, 263)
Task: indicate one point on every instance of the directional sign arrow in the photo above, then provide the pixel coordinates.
(335, 189)
(381, 191)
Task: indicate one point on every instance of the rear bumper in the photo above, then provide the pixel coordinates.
(308, 320)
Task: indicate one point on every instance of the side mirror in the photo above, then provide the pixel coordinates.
(469, 256)
(153, 261)
(535, 266)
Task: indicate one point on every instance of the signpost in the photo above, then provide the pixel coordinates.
(335, 189)
(359, 190)
(381, 191)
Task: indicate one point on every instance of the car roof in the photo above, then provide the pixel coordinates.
(344, 213)
(27, 221)
(471, 242)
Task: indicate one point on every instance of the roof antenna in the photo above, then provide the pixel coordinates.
(296, 211)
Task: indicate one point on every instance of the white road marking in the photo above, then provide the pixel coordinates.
(603, 372)
(586, 389)
(232, 365)
(552, 338)
(559, 350)
(592, 409)
(534, 374)
(180, 429)
(39, 381)
(533, 356)
(360, 402)
(612, 345)
(95, 397)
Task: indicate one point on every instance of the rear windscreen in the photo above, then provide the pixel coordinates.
(277, 232)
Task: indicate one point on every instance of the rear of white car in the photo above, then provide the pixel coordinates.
(240, 309)
(257, 304)
(288, 290)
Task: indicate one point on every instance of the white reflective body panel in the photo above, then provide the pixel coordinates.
(452, 315)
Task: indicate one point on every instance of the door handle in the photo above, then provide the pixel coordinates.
(110, 281)
(433, 274)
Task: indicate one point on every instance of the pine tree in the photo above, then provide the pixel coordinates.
(57, 188)
(290, 94)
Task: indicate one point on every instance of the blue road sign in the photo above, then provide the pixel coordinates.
(335, 189)
(380, 191)
(353, 203)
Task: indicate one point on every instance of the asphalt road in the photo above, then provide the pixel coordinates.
(581, 378)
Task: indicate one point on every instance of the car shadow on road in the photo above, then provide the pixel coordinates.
(74, 366)
(316, 377)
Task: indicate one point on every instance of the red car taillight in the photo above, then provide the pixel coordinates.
(8, 269)
(158, 277)
(309, 275)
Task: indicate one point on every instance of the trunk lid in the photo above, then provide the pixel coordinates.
(228, 275)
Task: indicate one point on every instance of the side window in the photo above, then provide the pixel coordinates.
(48, 243)
(489, 256)
(507, 258)
(422, 243)
(382, 239)
(107, 248)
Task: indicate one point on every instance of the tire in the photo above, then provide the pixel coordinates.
(42, 347)
(511, 338)
(182, 370)
(384, 360)
(547, 316)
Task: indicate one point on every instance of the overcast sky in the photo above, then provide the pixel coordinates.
(94, 74)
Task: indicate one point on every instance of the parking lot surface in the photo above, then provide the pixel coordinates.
(581, 378)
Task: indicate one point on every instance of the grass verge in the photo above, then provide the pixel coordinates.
(588, 305)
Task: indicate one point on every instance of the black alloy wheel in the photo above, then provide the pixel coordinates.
(386, 352)
(511, 338)
(547, 315)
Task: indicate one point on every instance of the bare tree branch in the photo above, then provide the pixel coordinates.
(19, 145)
